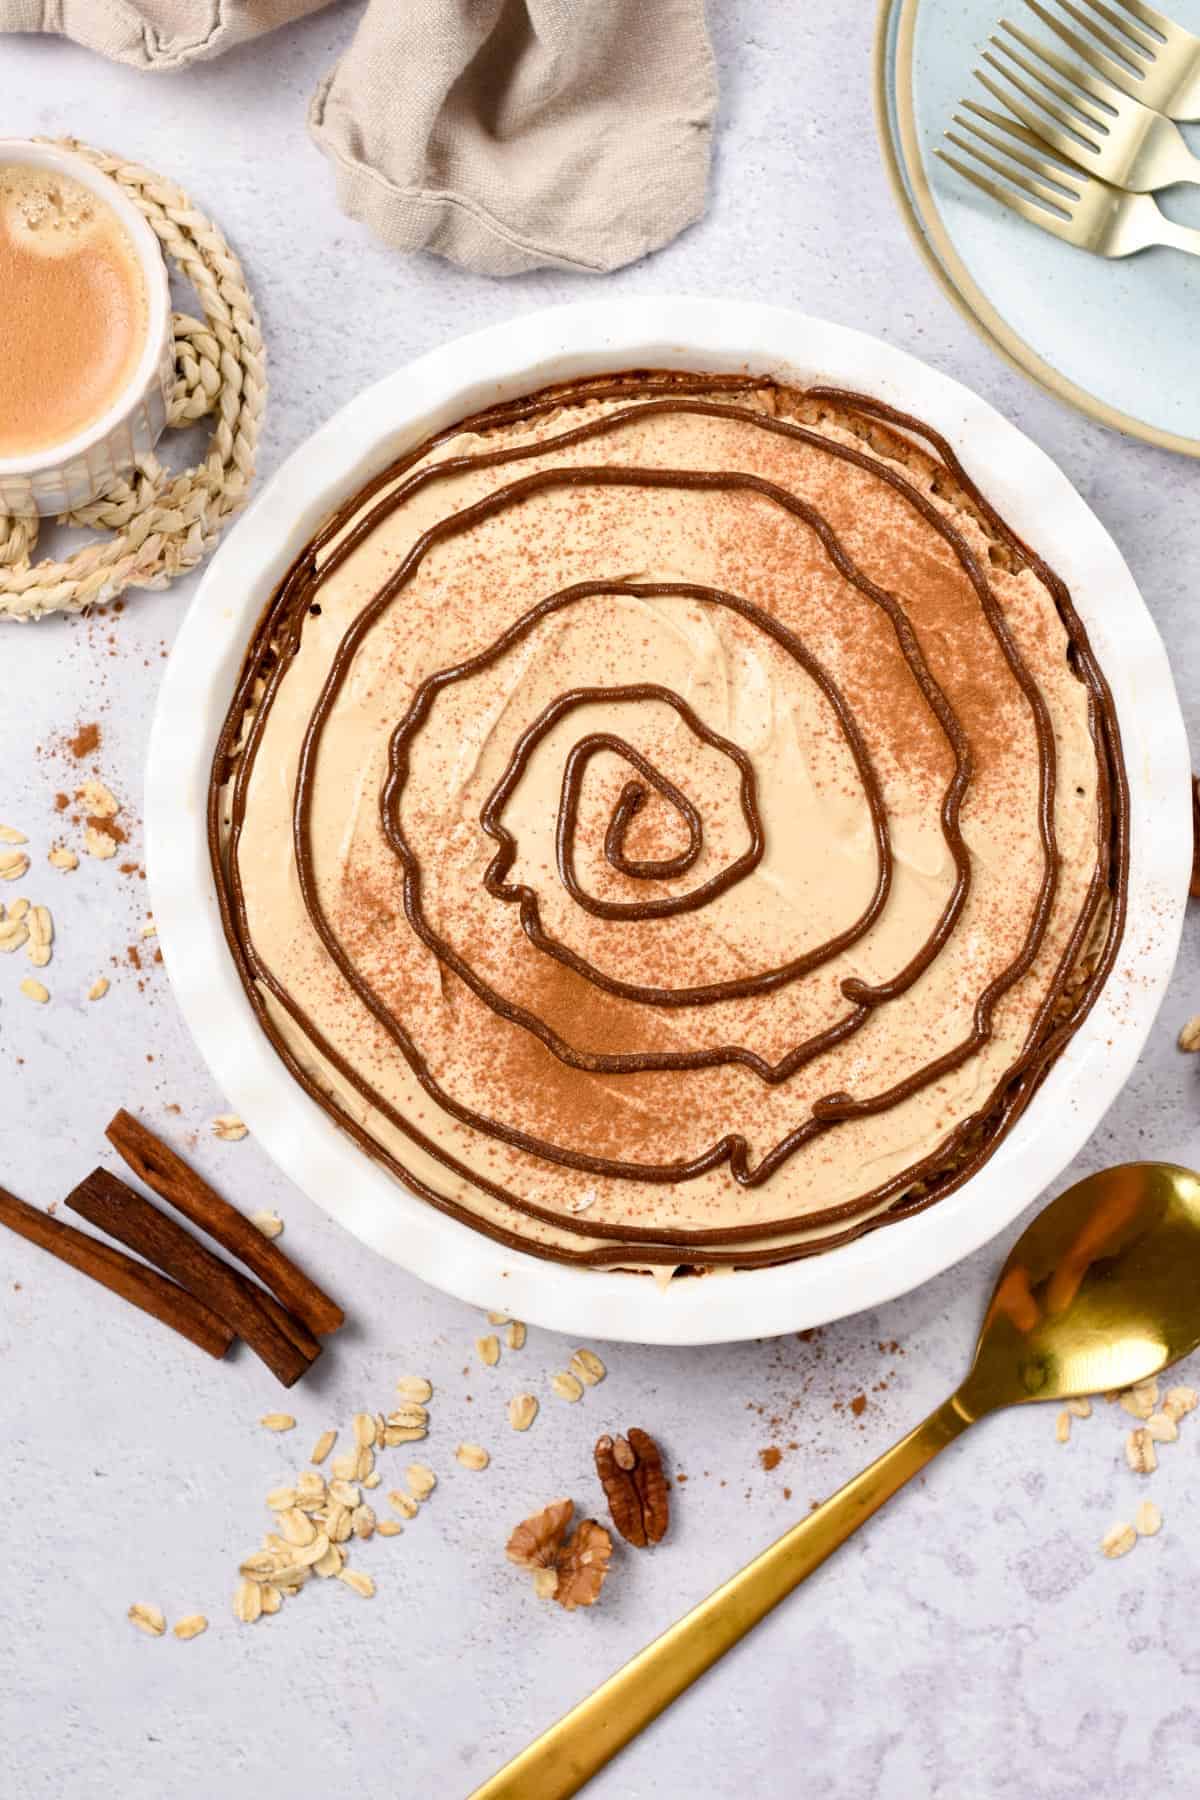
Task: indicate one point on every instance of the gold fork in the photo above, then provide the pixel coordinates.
(1144, 53)
(1084, 117)
(1082, 209)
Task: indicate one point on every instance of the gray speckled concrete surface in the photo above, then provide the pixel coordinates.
(972, 1642)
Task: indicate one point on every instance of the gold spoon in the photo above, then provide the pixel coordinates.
(1101, 1291)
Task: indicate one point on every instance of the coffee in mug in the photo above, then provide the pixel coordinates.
(86, 348)
(74, 316)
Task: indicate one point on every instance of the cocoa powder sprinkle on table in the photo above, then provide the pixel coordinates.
(85, 742)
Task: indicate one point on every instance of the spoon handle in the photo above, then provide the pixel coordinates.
(567, 1755)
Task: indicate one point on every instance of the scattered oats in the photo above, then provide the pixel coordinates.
(259, 1566)
(515, 1336)
(332, 1563)
(62, 858)
(363, 1521)
(149, 929)
(291, 1577)
(344, 1493)
(99, 844)
(354, 1578)
(372, 1480)
(13, 864)
(100, 801)
(410, 1416)
(342, 1467)
(1189, 1037)
(1062, 1427)
(567, 1387)
(229, 1128)
(472, 1456)
(1179, 1401)
(98, 988)
(281, 1499)
(414, 1387)
(1118, 1540)
(545, 1582)
(421, 1480)
(323, 1446)
(14, 935)
(587, 1366)
(308, 1554)
(272, 1598)
(41, 935)
(364, 1462)
(488, 1350)
(193, 1626)
(403, 1434)
(1147, 1519)
(33, 990)
(1147, 1386)
(269, 1223)
(337, 1523)
(403, 1503)
(310, 1490)
(364, 1430)
(1079, 1409)
(1162, 1428)
(18, 910)
(389, 1528)
(277, 1421)
(10, 835)
(497, 1318)
(1140, 1453)
(522, 1411)
(297, 1528)
(147, 1618)
(247, 1602)
(1138, 1404)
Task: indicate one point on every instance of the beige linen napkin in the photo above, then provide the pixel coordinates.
(503, 134)
(154, 34)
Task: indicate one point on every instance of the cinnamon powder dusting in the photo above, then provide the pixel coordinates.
(85, 742)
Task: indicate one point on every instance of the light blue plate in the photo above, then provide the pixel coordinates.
(1121, 340)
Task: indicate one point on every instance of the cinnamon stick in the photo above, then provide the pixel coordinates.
(172, 1180)
(164, 1300)
(107, 1202)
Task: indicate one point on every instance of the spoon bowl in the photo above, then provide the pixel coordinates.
(1102, 1290)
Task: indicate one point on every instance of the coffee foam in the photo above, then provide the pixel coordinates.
(75, 314)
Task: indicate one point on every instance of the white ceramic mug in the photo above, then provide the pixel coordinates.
(67, 475)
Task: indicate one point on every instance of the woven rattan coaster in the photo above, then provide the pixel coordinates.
(157, 525)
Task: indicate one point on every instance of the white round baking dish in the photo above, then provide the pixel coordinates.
(498, 364)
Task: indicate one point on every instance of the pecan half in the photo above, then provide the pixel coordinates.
(583, 1565)
(536, 1542)
(631, 1474)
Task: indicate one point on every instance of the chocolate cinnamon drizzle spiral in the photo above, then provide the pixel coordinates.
(672, 819)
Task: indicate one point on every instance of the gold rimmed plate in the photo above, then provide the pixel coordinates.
(1117, 340)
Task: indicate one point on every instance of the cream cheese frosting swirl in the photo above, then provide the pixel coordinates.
(672, 820)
